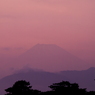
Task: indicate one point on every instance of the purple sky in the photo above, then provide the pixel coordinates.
(69, 24)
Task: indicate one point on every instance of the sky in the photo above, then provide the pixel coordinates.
(69, 24)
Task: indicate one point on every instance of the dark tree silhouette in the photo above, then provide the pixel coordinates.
(91, 93)
(62, 88)
(19, 88)
(59, 86)
(67, 88)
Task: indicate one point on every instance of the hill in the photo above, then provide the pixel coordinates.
(41, 80)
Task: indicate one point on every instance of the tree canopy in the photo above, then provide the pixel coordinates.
(23, 87)
(19, 88)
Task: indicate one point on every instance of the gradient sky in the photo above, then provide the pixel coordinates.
(69, 24)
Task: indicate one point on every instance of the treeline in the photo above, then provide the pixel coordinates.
(23, 87)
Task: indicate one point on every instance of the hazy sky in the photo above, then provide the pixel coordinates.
(69, 24)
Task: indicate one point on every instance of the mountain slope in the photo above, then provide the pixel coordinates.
(49, 58)
(38, 79)
(85, 78)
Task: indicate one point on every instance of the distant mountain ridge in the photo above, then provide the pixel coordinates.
(49, 57)
(85, 77)
(41, 79)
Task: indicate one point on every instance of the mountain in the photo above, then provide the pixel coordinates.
(49, 57)
(85, 78)
(38, 79)
(41, 80)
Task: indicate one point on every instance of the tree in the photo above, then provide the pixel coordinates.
(67, 88)
(60, 85)
(19, 88)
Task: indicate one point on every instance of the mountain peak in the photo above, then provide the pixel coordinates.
(45, 46)
(48, 49)
(49, 57)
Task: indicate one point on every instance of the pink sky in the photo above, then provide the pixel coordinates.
(69, 24)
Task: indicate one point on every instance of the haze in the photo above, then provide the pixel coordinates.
(69, 24)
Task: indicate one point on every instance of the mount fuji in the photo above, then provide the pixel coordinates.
(49, 57)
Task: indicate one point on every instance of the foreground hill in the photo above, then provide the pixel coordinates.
(38, 79)
(85, 78)
(41, 80)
